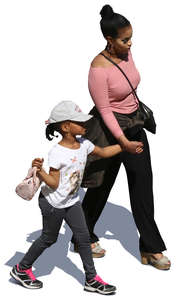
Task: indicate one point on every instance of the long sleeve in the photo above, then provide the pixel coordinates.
(98, 87)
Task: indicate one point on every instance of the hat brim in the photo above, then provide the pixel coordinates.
(78, 118)
(81, 117)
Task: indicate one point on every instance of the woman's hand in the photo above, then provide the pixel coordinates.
(38, 163)
(134, 147)
(130, 146)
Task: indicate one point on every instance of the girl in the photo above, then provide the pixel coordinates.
(59, 199)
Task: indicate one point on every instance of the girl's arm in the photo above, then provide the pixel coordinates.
(110, 151)
(106, 151)
(51, 179)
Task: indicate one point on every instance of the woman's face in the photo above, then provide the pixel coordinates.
(122, 43)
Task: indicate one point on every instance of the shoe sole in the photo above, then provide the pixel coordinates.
(90, 289)
(157, 266)
(98, 255)
(166, 268)
(23, 283)
(94, 255)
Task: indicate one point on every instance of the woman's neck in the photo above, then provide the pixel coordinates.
(108, 53)
(115, 56)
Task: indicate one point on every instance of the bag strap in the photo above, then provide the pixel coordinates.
(32, 173)
(117, 66)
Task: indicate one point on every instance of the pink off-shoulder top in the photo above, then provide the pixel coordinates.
(111, 91)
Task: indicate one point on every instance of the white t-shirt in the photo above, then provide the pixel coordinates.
(71, 163)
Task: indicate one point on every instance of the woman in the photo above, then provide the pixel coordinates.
(112, 95)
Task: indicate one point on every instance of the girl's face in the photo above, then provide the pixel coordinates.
(122, 43)
(77, 128)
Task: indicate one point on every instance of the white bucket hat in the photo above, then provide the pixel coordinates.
(67, 110)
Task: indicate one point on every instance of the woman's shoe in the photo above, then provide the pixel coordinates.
(148, 259)
(97, 251)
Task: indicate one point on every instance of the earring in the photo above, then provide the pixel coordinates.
(109, 48)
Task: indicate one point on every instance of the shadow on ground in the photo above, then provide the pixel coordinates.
(116, 223)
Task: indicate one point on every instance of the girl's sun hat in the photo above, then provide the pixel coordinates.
(67, 110)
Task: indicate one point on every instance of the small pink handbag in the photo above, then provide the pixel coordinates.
(29, 186)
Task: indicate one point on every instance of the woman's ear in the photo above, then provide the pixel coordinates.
(109, 40)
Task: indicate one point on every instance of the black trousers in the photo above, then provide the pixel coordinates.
(139, 175)
(52, 221)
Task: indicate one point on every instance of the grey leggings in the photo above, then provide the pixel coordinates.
(52, 221)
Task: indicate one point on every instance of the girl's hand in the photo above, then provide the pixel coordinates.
(139, 150)
(38, 162)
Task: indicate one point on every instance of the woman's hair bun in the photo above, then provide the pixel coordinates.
(107, 12)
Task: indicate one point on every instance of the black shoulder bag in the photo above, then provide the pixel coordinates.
(146, 112)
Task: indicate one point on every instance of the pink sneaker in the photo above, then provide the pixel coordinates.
(98, 285)
(26, 278)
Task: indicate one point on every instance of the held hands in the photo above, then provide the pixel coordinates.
(134, 147)
(38, 162)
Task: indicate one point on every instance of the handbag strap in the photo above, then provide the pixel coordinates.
(32, 173)
(117, 66)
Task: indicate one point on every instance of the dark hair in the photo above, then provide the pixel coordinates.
(111, 22)
(51, 128)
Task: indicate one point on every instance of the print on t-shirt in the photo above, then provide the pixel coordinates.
(74, 182)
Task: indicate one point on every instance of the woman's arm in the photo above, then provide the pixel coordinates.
(51, 179)
(98, 87)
